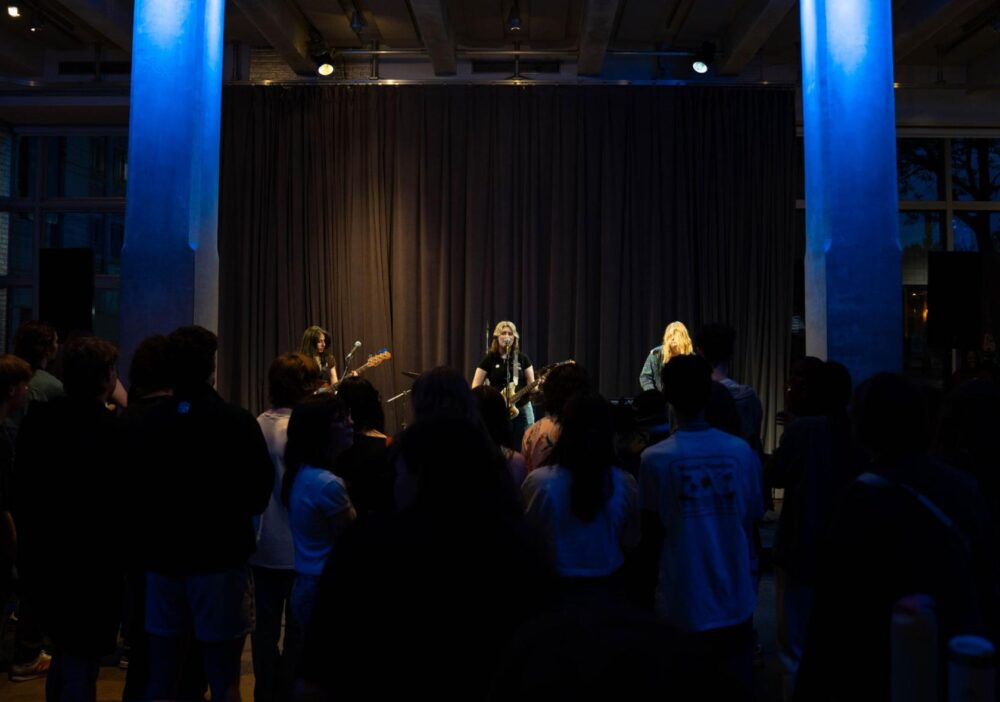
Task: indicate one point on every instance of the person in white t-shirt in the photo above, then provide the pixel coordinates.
(700, 493)
(319, 508)
(291, 378)
(586, 507)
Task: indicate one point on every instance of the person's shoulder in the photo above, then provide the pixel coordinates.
(656, 350)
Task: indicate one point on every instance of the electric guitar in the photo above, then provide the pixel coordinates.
(373, 360)
(512, 395)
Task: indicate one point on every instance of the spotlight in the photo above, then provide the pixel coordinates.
(357, 22)
(514, 18)
(37, 24)
(13, 11)
(324, 64)
(703, 57)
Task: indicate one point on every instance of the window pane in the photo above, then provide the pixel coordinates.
(86, 166)
(919, 232)
(920, 165)
(975, 169)
(18, 308)
(976, 231)
(106, 306)
(6, 163)
(25, 160)
(103, 232)
(16, 237)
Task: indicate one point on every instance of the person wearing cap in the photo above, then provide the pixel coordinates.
(504, 366)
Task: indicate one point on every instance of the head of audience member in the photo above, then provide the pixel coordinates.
(721, 412)
(715, 342)
(14, 376)
(319, 430)
(837, 388)
(650, 407)
(150, 373)
(967, 434)
(687, 386)
(805, 390)
(443, 392)
(37, 343)
(890, 417)
(447, 464)
(495, 414)
(291, 378)
(586, 448)
(364, 404)
(561, 384)
(676, 342)
(316, 343)
(192, 356)
(89, 368)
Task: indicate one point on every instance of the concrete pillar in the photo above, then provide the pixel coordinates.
(170, 260)
(852, 271)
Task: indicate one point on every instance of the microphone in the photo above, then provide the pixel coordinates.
(507, 341)
(347, 358)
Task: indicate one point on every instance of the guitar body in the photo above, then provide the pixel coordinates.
(510, 396)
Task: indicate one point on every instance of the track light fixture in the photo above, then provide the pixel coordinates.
(703, 57)
(514, 18)
(324, 64)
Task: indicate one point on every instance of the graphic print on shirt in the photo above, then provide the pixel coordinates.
(705, 486)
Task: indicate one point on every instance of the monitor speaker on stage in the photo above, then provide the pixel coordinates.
(963, 298)
(66, 290)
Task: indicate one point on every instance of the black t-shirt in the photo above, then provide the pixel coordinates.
(499, 369)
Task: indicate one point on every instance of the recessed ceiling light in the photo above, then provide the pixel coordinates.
(13, 11)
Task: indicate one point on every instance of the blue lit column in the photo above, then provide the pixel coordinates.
(170, 260)
(853, 278)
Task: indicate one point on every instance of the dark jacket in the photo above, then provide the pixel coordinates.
(207, 472)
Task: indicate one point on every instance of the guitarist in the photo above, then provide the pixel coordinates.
(507, 369)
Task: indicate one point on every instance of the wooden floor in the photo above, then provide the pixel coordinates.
(110, 684)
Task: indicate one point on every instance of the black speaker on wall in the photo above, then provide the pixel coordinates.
(66, 290)
(963, 298)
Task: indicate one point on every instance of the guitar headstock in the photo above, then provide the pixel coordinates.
(375, 359)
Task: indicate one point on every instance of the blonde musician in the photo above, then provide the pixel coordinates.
(508, 370)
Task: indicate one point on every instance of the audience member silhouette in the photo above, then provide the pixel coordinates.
(560, 385)
(365, 465)
(907, 525)
(208, 474)
(715, 342)
(424, 603)
(68, 478)
(291, 378)
(496, 418)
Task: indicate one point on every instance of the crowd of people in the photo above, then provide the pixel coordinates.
(603, 548)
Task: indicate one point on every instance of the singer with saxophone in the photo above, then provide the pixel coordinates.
(508, 370)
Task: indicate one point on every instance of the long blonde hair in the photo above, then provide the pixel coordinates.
(676, 341)
(495, 343)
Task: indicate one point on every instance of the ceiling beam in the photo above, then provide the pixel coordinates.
(437, 34)
(753, 26)
(676, 22)
(285, 28)
(918, 23)
(110, 18)
(595, 34)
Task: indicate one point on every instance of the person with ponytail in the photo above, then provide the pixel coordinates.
(585, 505)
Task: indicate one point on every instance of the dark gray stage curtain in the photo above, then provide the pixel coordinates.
(415, 217)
